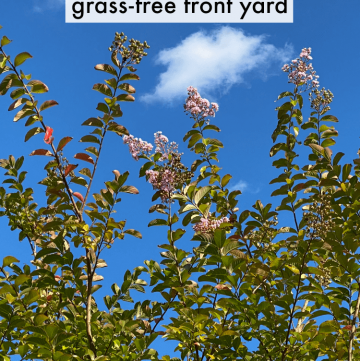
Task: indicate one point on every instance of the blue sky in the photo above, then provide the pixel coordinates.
(244, 77)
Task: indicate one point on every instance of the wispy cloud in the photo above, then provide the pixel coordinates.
(213, 60)
(41, 5)
(243, 186)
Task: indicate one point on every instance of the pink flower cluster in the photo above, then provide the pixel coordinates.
(162, 181)
(209, 225)
(137, 146)
(163, 146)
(198, 106)
(301, 72)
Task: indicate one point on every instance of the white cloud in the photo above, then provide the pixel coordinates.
(243, 186)
(239, 186)
(213, 60)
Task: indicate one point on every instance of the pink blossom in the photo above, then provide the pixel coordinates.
(162, 181)
(163, 146)
(301, 72)
(209, 225)
(137, 146)
(215, 106)
(200, 107)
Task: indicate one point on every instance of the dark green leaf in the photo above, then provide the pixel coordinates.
(33, 132)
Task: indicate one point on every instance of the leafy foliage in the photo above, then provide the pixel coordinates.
(293, 288)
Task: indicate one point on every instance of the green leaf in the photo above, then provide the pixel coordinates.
(215, 142)
(78, 180)
(129, 189)
(285, 94)
(63, 143)
(329, 118)
(23, 113)
(86, 172)
(89, 139)
(125, 98)
(40, 319)
(8, 260)
(22, 350)
(338, 157)
(144, 168)
(5, 41)
(107, 68)
(103, 88)
(134, 233)
(129, 76)
(194, 139)
(93, 122)
(116, 111)
(225, 180)
(158, 222)
(31, 297)
(318, 149)
(103, 108)
(328, 143)
(17, 103)
(201, 193)
(127, 87)
(117, 128)
(21, 58)
(329, 133)
(187, 207)
(17, 93)
(45, 251)
(114, 59)
(38, 86)
(345, 172)
(33, 132)
(21, 279)
(48, 104)
(211, 127)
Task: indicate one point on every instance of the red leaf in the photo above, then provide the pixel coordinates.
(84, 157)
(48, 139)
(41, 152)
(79, 196)
(348, 327)
(70, 168)
(63, 142)
(49, 298)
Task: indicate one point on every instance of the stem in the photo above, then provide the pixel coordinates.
(295, 301)
(101, 144)
(197, 353)
(44, 127)
(353, 328)
(76, 211)
(301, 320)
(88, 303)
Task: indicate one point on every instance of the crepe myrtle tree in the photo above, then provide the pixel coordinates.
(252, 287)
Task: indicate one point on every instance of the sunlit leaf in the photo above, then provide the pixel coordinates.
(21, 58)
